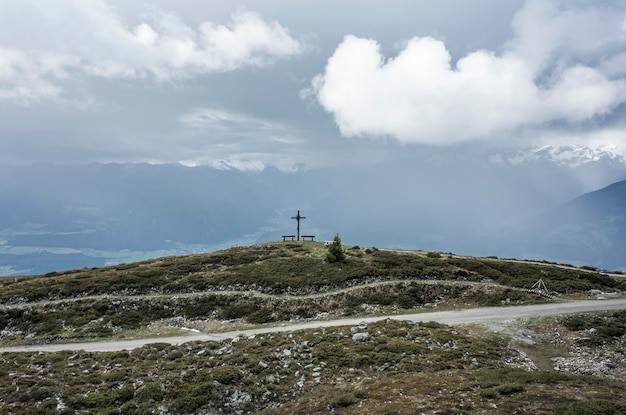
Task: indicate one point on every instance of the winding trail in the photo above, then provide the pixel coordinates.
(474, 315)
(245, 293)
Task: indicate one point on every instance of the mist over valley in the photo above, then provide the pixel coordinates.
(59, 217)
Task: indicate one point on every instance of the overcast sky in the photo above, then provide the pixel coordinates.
(307, 83)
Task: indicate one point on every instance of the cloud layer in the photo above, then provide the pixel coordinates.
(44, 43)
(245, 142)
(561, 66)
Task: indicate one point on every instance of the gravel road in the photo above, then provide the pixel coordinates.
(474, 315)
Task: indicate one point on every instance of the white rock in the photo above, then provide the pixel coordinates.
(358, 337)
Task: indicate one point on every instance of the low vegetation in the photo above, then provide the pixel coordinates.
(386, 367)
(399, 367)
(278, 267)
(597, 330)
(267, 284)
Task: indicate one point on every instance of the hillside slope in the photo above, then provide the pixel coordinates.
(375, 368)
(269, 283)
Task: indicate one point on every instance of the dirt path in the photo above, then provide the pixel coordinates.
(475, 315)
(247, 292)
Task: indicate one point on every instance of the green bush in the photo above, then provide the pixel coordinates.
(150, 392)
(226, 375)
(509, 389)
(593, 407)
(344, 399)
(335, 251)
(260, 316)
(202, 306)
(38, 394)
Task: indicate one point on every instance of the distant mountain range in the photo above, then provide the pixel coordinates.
(568, 156)
(58, 217)
(590, 229)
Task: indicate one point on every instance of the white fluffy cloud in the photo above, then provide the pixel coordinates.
(43, 43)
(555, 69)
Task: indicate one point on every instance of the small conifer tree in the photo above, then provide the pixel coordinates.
(335, 251)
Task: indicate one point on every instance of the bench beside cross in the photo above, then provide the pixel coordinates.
(310, 237)
(292, 237)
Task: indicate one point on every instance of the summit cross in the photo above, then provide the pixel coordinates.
(297, 218)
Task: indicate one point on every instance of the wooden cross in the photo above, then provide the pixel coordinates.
(297, 218)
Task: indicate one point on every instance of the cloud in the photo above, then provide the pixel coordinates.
(23, 79)
(552, 71)
(43, 43)
(229, 139)
(219, 119)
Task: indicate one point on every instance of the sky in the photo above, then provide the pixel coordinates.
(307, 84)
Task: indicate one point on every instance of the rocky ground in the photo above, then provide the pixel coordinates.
(606, 361)
(545, 345)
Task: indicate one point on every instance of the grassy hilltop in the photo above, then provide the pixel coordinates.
(396, 368)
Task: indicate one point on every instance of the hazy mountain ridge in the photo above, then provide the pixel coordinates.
(565, 156)
(57, 217)
(589, 229)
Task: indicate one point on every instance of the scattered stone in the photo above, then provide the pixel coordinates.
(240, 398)
(225, 349)
(359, 337)
(601, 361)
(60, 404)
